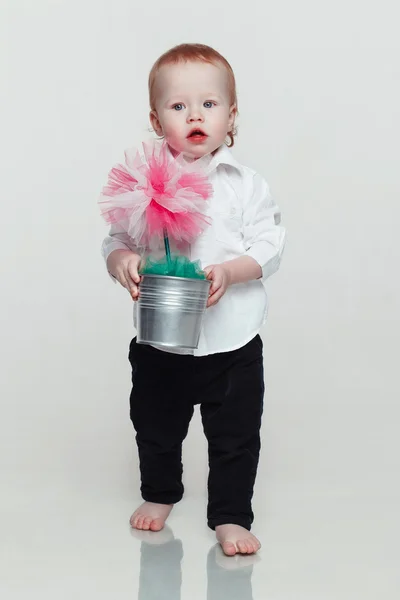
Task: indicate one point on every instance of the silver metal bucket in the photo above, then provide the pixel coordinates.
(170, 310)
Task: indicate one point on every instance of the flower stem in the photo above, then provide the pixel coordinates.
(167, 250)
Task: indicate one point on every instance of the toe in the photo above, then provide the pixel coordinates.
(256, 544)
(139, 522)
(147, 523)
(156, 525)
(251, 546)
(133, 520)
(241, 544)
(229, 548)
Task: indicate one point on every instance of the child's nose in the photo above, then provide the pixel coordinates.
(195, 115)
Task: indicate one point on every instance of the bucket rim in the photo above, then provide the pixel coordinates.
(166, 345)
(174, 278)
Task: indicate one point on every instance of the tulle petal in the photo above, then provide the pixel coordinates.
(119, 181)
(155, 193)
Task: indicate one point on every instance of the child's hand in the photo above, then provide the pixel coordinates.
(220, 280)
(124, 266)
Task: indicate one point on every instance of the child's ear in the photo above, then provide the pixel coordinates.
(232, 116)
(155, 123)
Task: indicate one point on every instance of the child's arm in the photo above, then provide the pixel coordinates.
(264, 237)
(264, 240)
(238, 270)
(122, 259)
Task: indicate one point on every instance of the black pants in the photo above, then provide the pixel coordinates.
(229, 388)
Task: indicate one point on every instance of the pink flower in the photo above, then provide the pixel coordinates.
(155, 194)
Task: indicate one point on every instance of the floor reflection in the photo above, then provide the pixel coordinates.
(161, 572)
(229, 576)
(160, 565)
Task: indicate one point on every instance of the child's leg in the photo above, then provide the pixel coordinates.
(231, 409)
(161, 409)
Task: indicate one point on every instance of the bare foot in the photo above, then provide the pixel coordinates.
(150, 516)
(228, 563)
(236, 540)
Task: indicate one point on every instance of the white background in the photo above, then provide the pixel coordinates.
(319, 96)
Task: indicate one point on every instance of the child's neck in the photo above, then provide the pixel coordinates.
(187, 158)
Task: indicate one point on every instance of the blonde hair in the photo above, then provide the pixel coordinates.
(192, 53)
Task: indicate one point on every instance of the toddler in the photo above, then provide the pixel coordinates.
(193, 107)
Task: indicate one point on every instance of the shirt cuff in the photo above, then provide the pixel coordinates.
(268, 256)
(106, 250)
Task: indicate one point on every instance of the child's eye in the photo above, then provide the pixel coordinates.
(208, 104)
(178, 107)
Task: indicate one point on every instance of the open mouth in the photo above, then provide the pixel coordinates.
(197, 133)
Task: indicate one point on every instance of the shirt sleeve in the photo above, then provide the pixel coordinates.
(264, 237)
(117, 239)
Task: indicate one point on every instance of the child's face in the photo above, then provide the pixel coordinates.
(190, 96)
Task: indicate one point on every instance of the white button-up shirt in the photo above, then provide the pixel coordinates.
(245, 221)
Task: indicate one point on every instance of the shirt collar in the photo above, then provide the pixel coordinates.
(222, 156)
